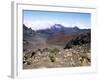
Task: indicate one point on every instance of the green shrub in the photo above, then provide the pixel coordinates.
(54, 51)
(52, 58)
(28, 63)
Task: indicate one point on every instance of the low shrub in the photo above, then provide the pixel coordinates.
(54, 51)
(52, 58)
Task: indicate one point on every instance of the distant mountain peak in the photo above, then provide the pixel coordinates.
(57, 26)
(75, 27)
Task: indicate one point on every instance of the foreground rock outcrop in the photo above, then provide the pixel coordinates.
(73, 57)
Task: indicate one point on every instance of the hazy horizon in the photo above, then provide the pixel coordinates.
(44, 19)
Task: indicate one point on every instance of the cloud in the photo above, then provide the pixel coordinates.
(38, 24)
(81, 25)
(43, 24)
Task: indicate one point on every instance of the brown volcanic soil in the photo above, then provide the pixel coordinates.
(60, 39)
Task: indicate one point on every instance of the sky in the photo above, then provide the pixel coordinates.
(44, 19)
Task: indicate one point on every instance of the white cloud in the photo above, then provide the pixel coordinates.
(81, 25)
(43, 24)
(38, 24)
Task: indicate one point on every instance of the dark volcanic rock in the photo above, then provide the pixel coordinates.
(82, 38)
(27, 31)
